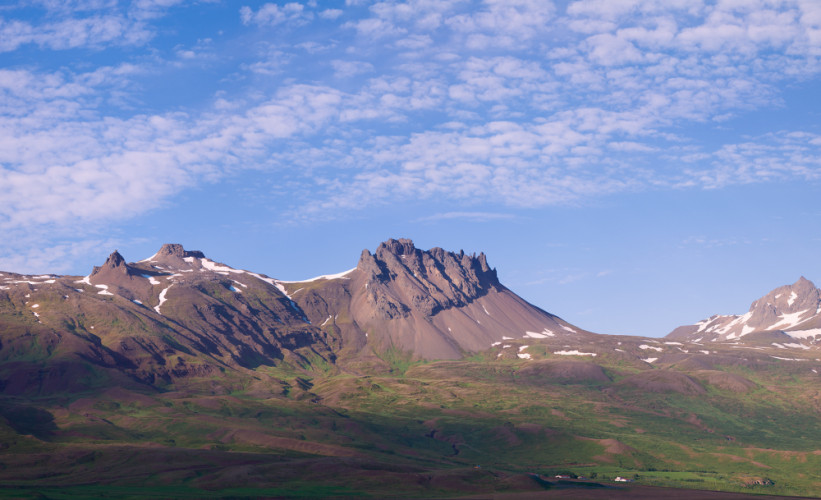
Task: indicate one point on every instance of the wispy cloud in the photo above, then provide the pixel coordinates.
(471, 216)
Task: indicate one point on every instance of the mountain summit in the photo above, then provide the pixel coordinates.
(432, 303)
(792, 309)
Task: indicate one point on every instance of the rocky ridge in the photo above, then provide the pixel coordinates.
(432, 303)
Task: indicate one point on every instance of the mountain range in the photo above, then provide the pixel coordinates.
(418, 354)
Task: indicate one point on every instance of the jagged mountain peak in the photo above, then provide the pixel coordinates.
(467, 276)
(433, 303)
(115, 262)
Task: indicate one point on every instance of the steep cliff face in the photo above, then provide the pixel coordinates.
(432, 303)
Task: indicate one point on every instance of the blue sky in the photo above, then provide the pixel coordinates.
(630, 165)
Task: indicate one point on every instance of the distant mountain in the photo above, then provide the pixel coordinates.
(432, 303)
(791, 313)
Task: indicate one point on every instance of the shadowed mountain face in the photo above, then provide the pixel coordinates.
(786, 313)
(174, 317)
(434, 304)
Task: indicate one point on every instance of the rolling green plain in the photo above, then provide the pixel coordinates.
(423, 429)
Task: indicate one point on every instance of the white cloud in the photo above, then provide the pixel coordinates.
(94, 31)
(272, 14)
(347, 69)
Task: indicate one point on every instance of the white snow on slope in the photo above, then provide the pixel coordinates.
(213, 266)
(788, 320)
(650, 360)
(281, 288)
(104, 290)
(796, 346)
(574, 353)
(523, 355)
(150, 259)
(545, 333)
(162, 299)
(568, 329)
(645, 346)
(151, 279)
(740, 320)
(792, 298)
(325, 277)
(804, 334)
(85, 280)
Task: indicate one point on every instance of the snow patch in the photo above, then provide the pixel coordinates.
(104, 290)
(704, 352)
(150, 259)
(151, 279)
(35, 306)
(189, 259)
(86, 280)
(162, 298)
(792, 298)
(788, 359)
(213, 266)
(674, 343)
(645, 346)
(545, 333)
(506, 338)
(522, 348)
(649, 360)
(568, 328)
(574, 353)
(788, 320)
(326, 277)
(234, 289)
(524, 356)
(796, 346)
(495, 344)
(279, 287)
(804, 334)
(485, 309)
(137, 302)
